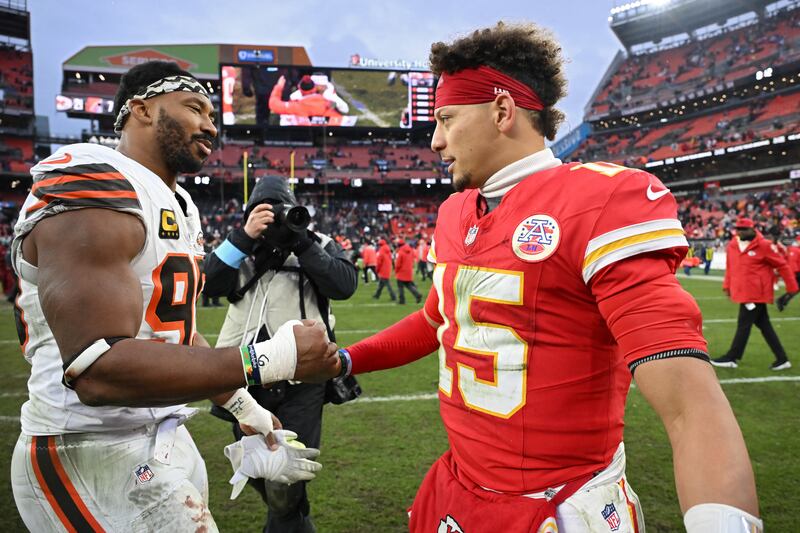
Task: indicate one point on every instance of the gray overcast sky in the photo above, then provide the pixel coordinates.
(331, 31)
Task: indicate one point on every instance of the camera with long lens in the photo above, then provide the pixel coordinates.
(294, 217)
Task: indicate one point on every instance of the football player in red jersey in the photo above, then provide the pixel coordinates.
(553, 286)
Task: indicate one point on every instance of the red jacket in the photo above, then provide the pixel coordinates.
(369, 255)
(793, 253)
(384, 267)
(404, 263)
(749, 274)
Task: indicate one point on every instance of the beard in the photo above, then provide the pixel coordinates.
(460, 183)
(175, 148)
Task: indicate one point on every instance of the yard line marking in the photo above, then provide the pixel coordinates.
(733, 320)
(704, 277)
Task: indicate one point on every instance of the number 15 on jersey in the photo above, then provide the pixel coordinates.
(499, 350)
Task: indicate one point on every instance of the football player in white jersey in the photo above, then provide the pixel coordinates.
(108, 248)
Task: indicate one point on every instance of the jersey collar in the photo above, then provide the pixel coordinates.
(507, 177)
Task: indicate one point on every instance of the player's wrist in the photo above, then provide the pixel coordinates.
(271, 360)
(244, 407)
(720, 518)
(346, 363)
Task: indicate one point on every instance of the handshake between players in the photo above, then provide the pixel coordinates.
(300, 351)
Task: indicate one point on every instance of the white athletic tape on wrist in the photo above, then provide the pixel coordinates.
(720, 518)
(244, 407)
(276, 358)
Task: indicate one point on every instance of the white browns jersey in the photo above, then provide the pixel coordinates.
(83, 176)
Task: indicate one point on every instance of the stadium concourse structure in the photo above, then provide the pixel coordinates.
(17, 117)
(706, 95)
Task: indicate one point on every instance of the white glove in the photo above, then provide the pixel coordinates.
(720, 518)
(291, 462)
(247, 411)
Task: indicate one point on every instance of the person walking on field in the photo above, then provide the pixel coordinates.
(751, 262)
(384, 267)
(404, 271)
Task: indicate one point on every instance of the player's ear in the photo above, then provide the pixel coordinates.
(141, 112)
(504, 112)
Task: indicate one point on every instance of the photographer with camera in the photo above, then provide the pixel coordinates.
(275, 269)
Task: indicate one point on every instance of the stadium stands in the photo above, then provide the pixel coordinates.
(763, 118)
(374, 161)
(16, 79)
(722, 57)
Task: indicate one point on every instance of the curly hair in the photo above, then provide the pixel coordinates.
(140, 76)
(526, 52)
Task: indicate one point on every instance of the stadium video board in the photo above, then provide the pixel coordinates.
(291, 96)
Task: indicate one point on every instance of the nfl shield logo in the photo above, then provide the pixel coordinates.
(143, 474)
(471, 235)
(612, 516)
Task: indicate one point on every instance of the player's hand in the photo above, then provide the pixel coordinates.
(261, 217)
(272, 441)
(290, 463)
(727, 292)
(281, 81)
(784, 300)
(317, 359)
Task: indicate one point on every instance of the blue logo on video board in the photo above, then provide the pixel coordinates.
(256, 56)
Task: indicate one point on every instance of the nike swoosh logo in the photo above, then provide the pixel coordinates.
(66, 159)
(653, 196)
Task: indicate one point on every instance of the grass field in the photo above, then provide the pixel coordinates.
(376, 450)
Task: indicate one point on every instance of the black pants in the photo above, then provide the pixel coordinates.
(412, 289)
(385, 282)
(213, 301)
(760, 318)
(422, 269)
(299, 408)
(366, 272)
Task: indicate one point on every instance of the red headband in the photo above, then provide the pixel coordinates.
(481, 85)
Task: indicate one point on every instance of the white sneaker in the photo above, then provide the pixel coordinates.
(786, 365)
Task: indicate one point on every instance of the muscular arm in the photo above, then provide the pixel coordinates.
(89, 291)
(653, 319)
(709, 454)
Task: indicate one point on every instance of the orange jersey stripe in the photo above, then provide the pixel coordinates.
(68, 178)
(62, 474)
(90, 194)
(47, 493)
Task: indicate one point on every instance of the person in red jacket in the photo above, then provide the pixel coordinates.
(793, 258)
(370, 258)
(404, 271)
(384, 267)
(422, 259)
(748, 281)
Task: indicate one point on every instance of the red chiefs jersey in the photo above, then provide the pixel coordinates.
(532, 383)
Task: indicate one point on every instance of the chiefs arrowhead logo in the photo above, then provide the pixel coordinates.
(448, 524)
(137, 57)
